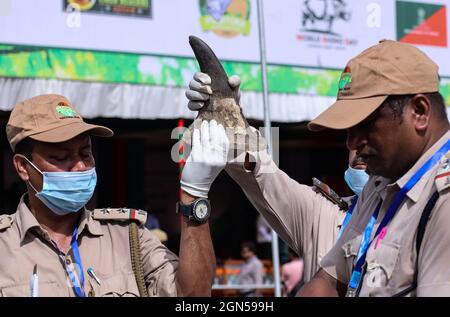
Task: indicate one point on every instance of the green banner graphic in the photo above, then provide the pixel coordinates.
(109, 67)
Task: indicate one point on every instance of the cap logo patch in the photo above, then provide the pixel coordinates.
(65, 111)
(346, 80)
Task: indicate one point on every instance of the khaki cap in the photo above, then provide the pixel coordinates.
(48, 118)
(388, 68)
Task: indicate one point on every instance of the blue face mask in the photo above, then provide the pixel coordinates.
(356, 179)
(66, 192)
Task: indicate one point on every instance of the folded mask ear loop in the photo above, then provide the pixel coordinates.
(35, 167)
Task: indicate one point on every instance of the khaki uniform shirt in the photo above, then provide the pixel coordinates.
(391, 263)
(103, 246)
(307, 221)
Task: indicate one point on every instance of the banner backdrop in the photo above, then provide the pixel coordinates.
(52, 23)
(146, 41)
(313, 33)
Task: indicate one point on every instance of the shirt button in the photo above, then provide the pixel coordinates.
(68, 261)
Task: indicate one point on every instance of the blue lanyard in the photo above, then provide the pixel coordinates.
(77, 283)
(347, 216)
(355, 278)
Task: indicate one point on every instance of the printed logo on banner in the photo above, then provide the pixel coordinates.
(422, 23)
(137, 8)
(319, 15)
(319, 20)
(226, 18)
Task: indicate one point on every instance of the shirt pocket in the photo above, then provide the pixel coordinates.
(351, 247)
(118, 285)
(381, 264)
(350, 250)
(45, 289)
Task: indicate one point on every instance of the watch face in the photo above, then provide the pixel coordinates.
(201, 210)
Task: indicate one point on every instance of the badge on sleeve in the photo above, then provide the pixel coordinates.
(442, 179)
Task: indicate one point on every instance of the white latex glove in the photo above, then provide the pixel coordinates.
(200, 89)
(207, 159)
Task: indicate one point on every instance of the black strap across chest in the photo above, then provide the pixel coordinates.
(420, 233)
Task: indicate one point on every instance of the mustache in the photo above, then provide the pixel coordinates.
(358, 160)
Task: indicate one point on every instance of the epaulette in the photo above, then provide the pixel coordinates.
(6, 221)
(120, 214)
(442, 179)
(328, 193)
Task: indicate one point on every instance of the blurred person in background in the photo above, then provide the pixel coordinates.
(251, 272)
(292, 274)
(263, 238)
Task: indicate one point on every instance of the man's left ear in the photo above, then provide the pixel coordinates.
(421, 111)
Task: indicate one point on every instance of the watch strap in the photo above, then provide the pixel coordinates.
(186, 210)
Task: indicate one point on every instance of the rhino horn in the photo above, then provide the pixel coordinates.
(210, 64)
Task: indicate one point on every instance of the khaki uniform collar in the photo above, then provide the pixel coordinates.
(379, 184)
(416, 191)
(92, 225)
(24, 218)
(26, 221)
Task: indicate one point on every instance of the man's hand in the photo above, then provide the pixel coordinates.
(200, 90)
(208, 157)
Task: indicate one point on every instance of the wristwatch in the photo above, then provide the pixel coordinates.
(199, 210)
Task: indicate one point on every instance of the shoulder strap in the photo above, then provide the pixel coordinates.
(327, 192)
(442, 178)
(420, 233)
(5, 222)
(120, 214)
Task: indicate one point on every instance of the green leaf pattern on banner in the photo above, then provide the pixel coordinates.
(111, 67)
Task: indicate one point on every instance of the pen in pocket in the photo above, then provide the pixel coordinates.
(34, 283)
(92, 274)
